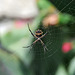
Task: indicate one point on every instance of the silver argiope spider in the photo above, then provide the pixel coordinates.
(38, 35)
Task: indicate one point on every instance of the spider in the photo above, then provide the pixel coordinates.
(38, 35)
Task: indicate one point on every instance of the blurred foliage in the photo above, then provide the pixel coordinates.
(11, 64)
(16, 60)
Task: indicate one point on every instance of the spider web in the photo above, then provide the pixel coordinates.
(53, 41)
(49, 60)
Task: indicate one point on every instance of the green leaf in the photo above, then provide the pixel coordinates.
(61, 70)
(11, 64)
(71, 67)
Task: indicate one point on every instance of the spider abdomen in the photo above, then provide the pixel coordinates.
(38, 33)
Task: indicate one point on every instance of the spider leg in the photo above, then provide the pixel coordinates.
(43, 35)
(31, 31)
(45, 48)
(32, 44)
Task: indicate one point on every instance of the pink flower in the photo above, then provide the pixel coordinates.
(19, 24)
(66, 47)
(52, 19)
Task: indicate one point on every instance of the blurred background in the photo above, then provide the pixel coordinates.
(57, 18)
